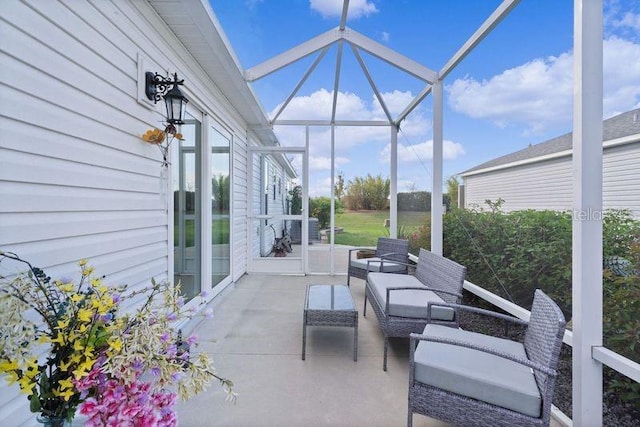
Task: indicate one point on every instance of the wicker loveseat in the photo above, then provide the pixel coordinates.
(470, 379)
(391, 256)
(400, 300)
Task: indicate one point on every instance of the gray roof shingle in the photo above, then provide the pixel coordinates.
(619, 126)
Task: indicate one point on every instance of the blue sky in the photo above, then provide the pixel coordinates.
(513, 90)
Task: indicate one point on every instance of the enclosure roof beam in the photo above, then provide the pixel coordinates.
(336, 82)
(343, 18)
(494, 19)
(301, 82)
(292, 55)
(413, 104)
(329, 123)
(371, 82)
(390, 56)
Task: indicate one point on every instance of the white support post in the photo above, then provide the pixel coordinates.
(332, 221)
(436, 178)
(393, 197)
(587, 212)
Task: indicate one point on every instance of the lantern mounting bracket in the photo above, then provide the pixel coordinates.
(156, 85)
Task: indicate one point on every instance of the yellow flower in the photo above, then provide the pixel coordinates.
(76, 298)
(26, 385)
(8, 365)
(153, 136)
(78, 345)
(67, 287)
(88, 271)
(85, 315)
(62, 324)
(115, 344)
(58, 339)
(83, 262)
(83, 368)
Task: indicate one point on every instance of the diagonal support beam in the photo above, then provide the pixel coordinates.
(371, 82)
(292, 55)
(487, 26)
(301, 82)
(413, 104)
(390, 56)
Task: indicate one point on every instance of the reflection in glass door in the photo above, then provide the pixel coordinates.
(220, 206)
(187, 209)
(278, 230)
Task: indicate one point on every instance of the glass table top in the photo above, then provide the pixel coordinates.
(330, 297)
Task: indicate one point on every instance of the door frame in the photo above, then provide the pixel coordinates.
(275, 265)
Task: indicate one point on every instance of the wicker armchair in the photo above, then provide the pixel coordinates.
(400, 301)
(391, 256)
(471, 379)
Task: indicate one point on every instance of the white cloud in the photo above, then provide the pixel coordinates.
(539, 94)
(333, 8)
(631, 20)
(317, 106)
(423, 151)
(321, 163)
(385, 36)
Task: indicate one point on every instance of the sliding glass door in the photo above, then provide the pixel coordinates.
(187, 218)
(219, 144)
(201, 205)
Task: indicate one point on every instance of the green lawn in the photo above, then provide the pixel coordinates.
(362, 228)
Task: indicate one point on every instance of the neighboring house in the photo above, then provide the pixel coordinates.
(540, 176)
(76, 180)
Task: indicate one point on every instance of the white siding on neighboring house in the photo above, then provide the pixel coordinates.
(547, 184)
(621, 178)
(76, 180)
(544, 185)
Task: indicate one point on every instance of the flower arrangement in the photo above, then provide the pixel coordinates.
(70, 346)
(157, 136)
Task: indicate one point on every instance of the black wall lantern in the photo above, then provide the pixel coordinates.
(158, 87)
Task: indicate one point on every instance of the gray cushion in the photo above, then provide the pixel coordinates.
(406, 303)
(374, 265)
(476, 374)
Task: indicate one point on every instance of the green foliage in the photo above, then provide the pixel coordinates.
(414, 201)
(220, 193)
(621, 319)
(452, 185)
(620, 231)
(511, 254)
(295, 195)
(420, 238)
(320, 207)
(368, 193)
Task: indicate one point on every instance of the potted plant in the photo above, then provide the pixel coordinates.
(69, 345)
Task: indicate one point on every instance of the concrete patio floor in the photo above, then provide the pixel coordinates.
(255, 338)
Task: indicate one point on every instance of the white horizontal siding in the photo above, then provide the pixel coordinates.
(548, 184)
(621, 178)
(76, 180)
(545, 185)
(240, 219)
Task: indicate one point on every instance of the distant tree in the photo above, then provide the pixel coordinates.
(295, 198)
(220, 192)
(370, 193)
(453, 185)
(320, 207)
(338, 191)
